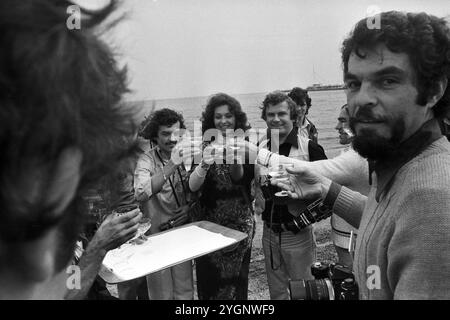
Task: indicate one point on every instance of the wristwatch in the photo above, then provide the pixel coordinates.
(204, 165)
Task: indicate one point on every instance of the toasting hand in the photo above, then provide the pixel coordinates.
(116, 229)
(186, 150)
(303, 183)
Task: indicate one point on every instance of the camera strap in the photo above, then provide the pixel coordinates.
(185, 193)
(270, 239)
(170, 181)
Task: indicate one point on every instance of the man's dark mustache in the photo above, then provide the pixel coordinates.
(365, 114)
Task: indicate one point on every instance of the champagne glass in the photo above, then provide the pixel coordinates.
(280, 174)
(144, 223)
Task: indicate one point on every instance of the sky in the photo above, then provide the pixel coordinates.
(187, 48)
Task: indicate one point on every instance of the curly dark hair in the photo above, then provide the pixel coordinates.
(163, 117)
(221, 99)
(59, 89)
(275, 98)
(424, 38)
(300, 97)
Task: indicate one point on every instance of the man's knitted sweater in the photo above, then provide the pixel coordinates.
(403, 248)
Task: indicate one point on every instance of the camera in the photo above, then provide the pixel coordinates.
(314, 212)
(269, 191)
(332, 282)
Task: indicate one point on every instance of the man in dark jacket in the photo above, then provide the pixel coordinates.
(288, 252)
(303, 101)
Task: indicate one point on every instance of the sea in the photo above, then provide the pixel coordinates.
(325, 108)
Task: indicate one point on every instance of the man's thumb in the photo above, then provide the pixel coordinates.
(298, 171)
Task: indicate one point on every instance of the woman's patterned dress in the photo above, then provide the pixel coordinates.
(223, 274)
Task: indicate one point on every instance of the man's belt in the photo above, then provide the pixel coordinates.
(276, 227)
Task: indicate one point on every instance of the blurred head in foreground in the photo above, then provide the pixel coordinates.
(61, 128)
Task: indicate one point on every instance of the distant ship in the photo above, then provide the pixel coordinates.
(320, 87)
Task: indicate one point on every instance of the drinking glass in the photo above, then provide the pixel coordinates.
(144, 223)
(280, 174)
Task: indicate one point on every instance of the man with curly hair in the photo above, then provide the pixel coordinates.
(398, 90)
(161, 186)
(305, 127)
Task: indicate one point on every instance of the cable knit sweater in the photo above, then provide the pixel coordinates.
(351, 170)
(403, 248)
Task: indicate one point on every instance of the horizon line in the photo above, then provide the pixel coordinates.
(203, 96)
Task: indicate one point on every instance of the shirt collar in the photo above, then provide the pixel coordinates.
(305, 124)
(411, 147)
(291, 139)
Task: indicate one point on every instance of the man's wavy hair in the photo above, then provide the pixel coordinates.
(59, 88)
(163, 117)
(424, 38)
(221, 99)
(275, 98)
(300, 97)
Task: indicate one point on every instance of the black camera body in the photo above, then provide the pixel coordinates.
(332, 282)
(315, 211)
(269, 190)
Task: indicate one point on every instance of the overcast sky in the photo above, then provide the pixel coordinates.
(184, 48)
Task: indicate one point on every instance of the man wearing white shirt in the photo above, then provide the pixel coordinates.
(342, 233)
(306, 128)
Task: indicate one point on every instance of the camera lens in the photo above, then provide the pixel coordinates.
(320, 289)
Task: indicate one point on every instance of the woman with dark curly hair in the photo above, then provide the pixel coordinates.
(226, 200)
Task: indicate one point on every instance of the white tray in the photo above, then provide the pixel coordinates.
(166, 249)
